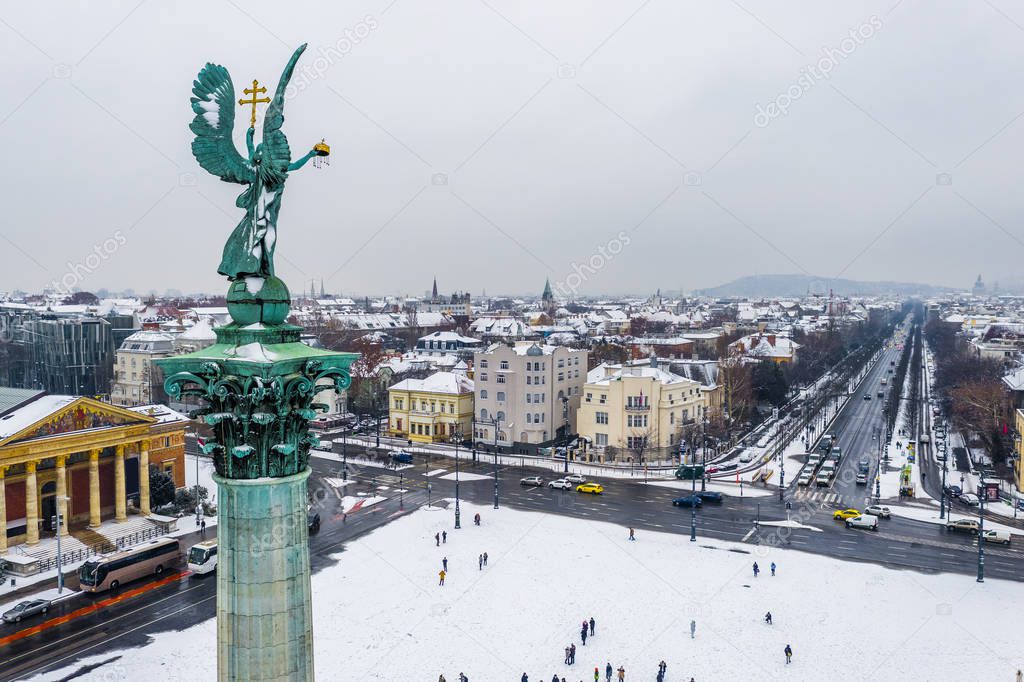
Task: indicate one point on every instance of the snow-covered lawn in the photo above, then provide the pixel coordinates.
(380, 614)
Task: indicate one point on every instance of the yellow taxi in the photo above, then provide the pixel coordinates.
(844, 514)
(592, 488)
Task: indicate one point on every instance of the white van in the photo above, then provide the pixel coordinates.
(867, 521)
(823, 478)
(1002, 536)
(805, 477)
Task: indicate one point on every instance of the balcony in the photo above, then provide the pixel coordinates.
(638, 408)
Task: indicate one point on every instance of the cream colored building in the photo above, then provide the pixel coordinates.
(527, 394)
(137, 381)
(639, 411)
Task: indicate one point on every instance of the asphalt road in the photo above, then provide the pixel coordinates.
(90, 626)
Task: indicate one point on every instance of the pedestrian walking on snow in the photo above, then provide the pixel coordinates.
(756, 569)
(444, 563)
(444, 536)
(583, 636)
(437, 539)
(554, 678)
(476, 520)
(789, 654)
(632, 534)
(463, 678)
(440, 678)
(524, 678)
(768, 618)
(572, 654)
(773, 568)
(693, 628)
(607, 671)
(480, 562)
(622, 674)
(663, 667)
(567, 655)
(592, 624)
(202, 528)
(441, 574)
(485, 558)
(597, 675)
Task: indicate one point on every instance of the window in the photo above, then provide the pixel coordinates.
(561, 376)
(561, 363)
(501, 396)
(483, 364)
(575, 374)
(636, 442)
(483, 414)
(483, 394)
(500, 416)
(601, 439)
(529, 397)
(529, 380)
(603, 398)
(671, 417)
(501, 378)
(601, 417)
(529, 418)
(483, 376)
(589, 396)
(543, 379)
(576, 361)
(503, 364)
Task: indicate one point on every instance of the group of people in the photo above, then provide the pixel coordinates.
(441, 538)
(768, 617)
(757, 569)
(462, 678)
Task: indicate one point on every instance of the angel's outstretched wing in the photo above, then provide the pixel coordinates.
(214, 104)
(276, 154)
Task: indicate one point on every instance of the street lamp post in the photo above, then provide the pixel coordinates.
(703, 452)
(981, 536)
(457, 433)
(344, 455)
(693, 505)
(60, 562)
(496, 423)
(942, 493)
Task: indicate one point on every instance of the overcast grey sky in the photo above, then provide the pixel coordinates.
(559, 127)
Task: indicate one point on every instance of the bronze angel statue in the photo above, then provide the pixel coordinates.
(249, 250)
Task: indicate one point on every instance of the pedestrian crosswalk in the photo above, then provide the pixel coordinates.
(818, 497)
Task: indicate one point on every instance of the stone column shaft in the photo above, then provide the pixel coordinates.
(144, 477)
(120, 513)
(94, 488)
(264, 606)
(62, 493)
(31, 505)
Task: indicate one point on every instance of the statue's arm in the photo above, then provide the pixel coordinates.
(299, 163)
(249, 143)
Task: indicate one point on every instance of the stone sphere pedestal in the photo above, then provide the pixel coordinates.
(264, 605)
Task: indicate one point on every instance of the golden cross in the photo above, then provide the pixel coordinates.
(255, 90)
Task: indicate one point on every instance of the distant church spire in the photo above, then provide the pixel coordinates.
(322, 294)
(433, 293)
(547, 295)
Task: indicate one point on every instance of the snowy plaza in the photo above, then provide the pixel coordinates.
(379, 613)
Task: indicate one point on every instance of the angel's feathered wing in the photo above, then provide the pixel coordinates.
(214, 105)
(276, 153)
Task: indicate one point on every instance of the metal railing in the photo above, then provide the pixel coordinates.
(83, 553)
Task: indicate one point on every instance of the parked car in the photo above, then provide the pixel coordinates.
(709, 496)
(879, 511)
(866, 521)
(747, 456)
(25, 609)
(713, 469)
(575, 478)
(1002, 536)
(531, 480)
(561, 484)
(963, 526)
(592, 488)
(953, 491)
(970, 499)
(728, 467)
(844, 514)
(687, 501)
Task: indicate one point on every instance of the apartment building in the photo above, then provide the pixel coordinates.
(438, 408)
(527, 394)
(639, 412)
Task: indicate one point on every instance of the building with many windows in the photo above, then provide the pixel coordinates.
(639, 411)
(438, 408)
(137, 381)
(527, 394)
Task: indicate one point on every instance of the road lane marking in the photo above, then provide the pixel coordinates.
(95, 606)
(749, 533)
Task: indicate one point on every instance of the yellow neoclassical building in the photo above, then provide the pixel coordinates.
(83, 457)
(432, 409)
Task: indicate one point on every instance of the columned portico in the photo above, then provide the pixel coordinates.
(31, 505)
